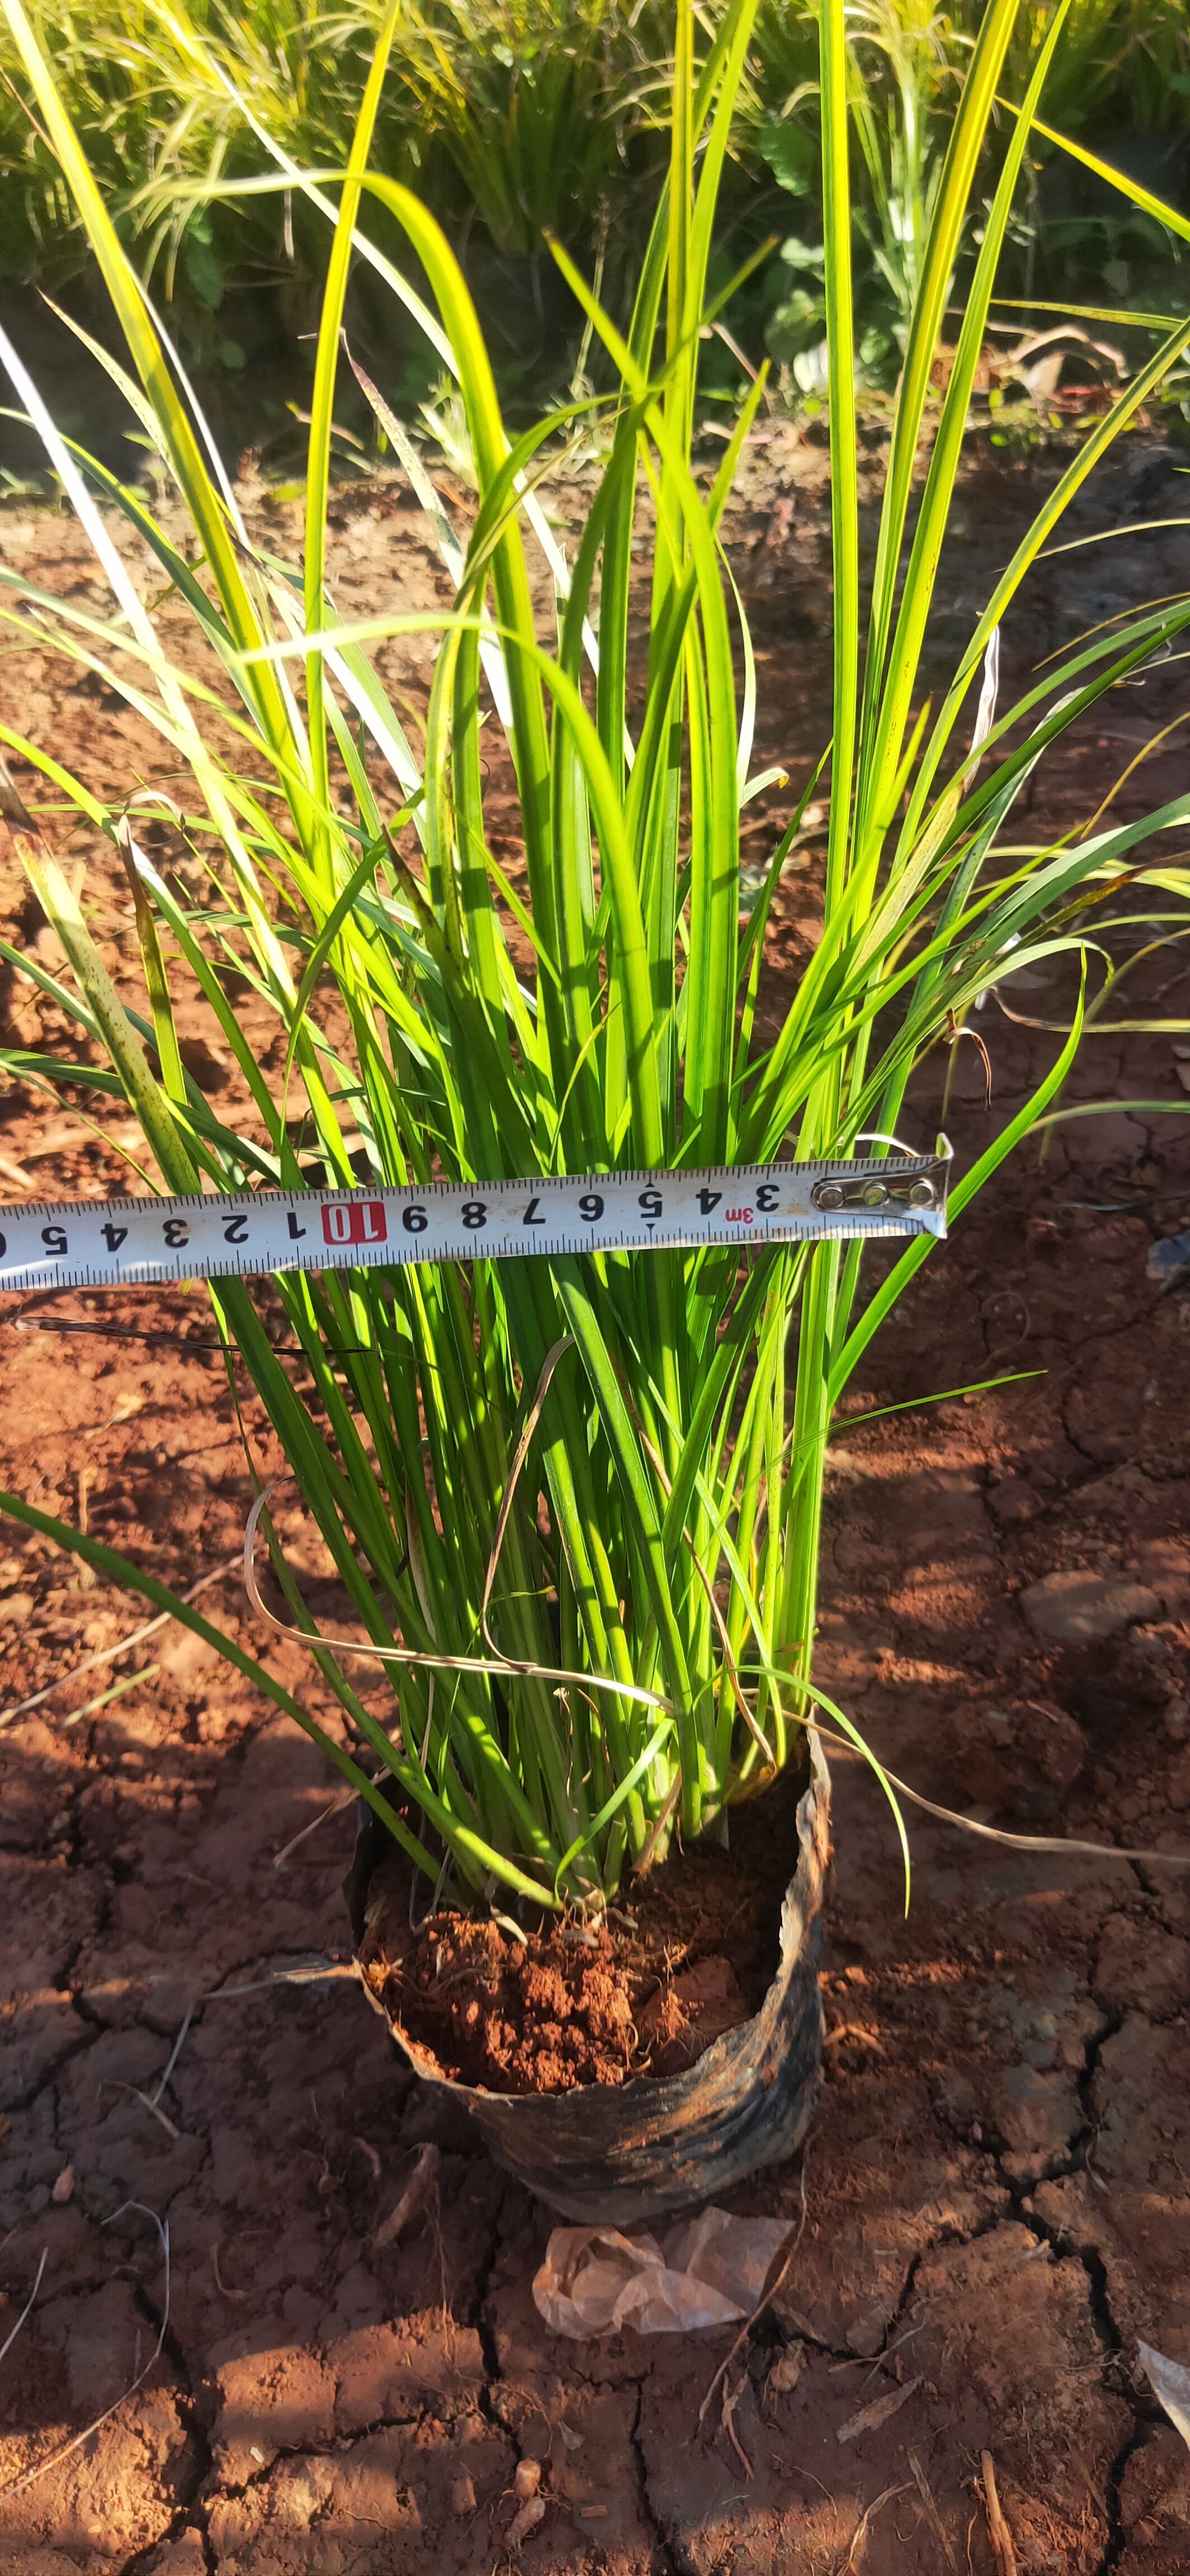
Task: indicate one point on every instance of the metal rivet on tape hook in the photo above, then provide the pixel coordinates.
(889, 1190)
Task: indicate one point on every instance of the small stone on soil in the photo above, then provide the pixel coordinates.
(1076, 1608)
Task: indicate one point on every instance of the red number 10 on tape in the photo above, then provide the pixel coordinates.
(362, 1222)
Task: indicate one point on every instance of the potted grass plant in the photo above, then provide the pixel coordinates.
(574, 1504)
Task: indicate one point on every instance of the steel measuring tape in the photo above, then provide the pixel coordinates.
(140, 1242)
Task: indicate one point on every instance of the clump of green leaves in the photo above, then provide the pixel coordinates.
(575, 1503)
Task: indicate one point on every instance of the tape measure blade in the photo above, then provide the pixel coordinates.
(151, 1241)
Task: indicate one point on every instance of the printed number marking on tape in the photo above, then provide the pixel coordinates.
(111, 1243)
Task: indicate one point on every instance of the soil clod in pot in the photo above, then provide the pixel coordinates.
(688, 1954)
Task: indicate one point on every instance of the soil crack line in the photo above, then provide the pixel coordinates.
(481, 2323)
(1111, 2342)
(661, 2541)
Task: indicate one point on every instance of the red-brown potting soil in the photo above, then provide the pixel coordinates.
(686, 1954)
(996, 2191)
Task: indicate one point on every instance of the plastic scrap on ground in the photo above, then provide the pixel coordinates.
(709, 2271)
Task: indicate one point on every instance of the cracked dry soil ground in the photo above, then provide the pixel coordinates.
(996, 2189)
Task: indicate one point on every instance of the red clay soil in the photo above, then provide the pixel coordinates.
(644, 1993)
(996, 2191)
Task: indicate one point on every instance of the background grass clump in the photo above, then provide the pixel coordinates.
(521, 120)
